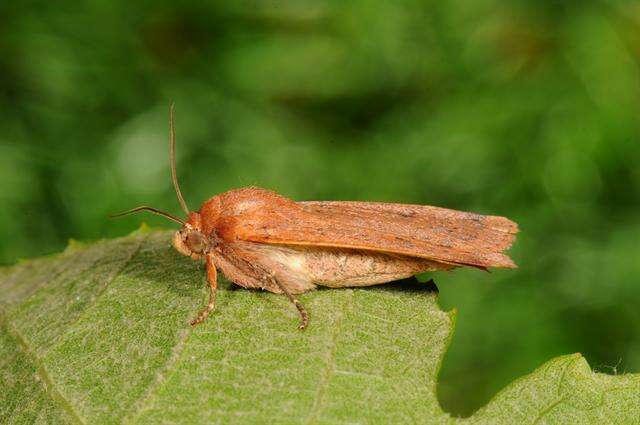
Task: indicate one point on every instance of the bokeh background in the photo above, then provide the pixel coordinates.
(525, 108)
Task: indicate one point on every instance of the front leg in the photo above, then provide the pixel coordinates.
(212, 277)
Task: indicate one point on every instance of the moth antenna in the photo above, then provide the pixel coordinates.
(150, 209)
(172, 159)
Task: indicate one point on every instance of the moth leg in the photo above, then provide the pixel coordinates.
(212, 277)
(304, 317)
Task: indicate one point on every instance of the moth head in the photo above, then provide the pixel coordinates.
(190, 241)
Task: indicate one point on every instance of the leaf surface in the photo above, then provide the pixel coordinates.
(100, 334)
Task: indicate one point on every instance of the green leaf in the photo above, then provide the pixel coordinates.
(100, 334)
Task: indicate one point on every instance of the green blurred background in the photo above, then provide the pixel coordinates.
(527, 109)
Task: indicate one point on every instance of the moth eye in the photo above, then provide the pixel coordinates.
(195, 241)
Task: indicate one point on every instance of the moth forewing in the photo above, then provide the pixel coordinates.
(438, 234)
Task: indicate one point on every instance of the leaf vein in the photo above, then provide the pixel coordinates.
(49, 387)
(102, 291)
(330, 359)
(151, 394)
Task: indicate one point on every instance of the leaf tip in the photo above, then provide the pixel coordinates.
(143, 229)
(73, 244)
(580, 364)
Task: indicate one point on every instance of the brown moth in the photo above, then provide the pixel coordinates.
(260, 239)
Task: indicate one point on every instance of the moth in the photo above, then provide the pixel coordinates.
(260, 239)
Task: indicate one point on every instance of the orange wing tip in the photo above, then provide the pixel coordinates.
(501, 261)
(503, 224)
(509, 264)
